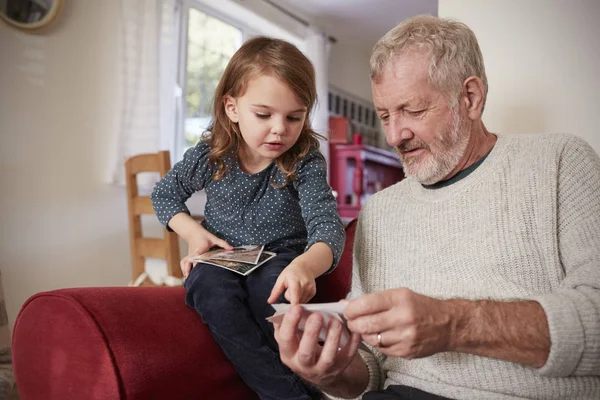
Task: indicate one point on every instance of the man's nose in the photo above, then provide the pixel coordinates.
(397, 132)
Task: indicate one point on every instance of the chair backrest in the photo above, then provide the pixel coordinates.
(166, 248)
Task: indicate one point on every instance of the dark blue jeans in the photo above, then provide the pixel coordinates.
(235, 307)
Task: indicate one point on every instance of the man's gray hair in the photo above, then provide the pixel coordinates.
(455, 53)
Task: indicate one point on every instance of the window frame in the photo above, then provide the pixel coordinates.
(181, 106)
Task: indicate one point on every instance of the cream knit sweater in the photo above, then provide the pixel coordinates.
(524, 225)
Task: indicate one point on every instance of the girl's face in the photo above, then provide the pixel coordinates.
(270, 119)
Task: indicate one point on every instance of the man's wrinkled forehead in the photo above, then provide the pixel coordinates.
(405, 77)
(410, 62)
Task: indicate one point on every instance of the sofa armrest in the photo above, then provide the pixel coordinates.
(118, 343)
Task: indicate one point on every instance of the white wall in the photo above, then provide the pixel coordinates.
(542, 62)
(62, 226)
(349, 69)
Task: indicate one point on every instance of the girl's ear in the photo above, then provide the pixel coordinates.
(231, 109)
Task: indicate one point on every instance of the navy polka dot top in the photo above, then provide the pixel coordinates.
(245, 209)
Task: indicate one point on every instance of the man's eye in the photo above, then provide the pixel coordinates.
(263, 116)
(384, 117)
(415, 113)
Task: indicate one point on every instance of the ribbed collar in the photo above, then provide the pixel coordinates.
(487, 165)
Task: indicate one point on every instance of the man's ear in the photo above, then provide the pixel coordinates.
(473, 97)
(230, 105)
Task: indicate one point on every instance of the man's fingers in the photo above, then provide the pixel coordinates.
(352, 346)
(332, 343)
(371, 303)
(285, 334)
(309, 348)
(372, 323)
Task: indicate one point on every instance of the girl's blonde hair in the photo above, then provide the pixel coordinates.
(455, 53)
(258, 56)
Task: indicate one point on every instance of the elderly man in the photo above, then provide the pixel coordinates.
(478, 277)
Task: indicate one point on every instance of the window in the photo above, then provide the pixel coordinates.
(210, 32)
(207, 44)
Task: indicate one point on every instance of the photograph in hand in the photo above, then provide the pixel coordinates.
(327, 310)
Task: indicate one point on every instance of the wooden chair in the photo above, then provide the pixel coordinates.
(166, 248)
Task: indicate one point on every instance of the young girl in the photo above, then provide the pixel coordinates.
(265, 183)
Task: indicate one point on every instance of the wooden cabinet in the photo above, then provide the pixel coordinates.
(357, 171)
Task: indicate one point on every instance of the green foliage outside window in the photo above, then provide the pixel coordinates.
(211, 43)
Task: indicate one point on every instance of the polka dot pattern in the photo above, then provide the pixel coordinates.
(246, 209)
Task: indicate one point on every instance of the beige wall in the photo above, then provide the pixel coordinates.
(349, 69)
(61, 224)
(542, 62)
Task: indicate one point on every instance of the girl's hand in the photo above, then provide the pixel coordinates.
(298, 282)
(199, 244)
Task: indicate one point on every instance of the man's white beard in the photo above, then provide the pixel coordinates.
(444, 155)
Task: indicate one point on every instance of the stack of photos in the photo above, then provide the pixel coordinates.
(242, 259)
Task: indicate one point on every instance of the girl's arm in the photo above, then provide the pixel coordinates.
(186, 227)
(184, 179)
(317, 259)
(170, 194)
(319, 209)
(199, 240)
(326, 233)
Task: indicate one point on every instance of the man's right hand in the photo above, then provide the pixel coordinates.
(324, 365)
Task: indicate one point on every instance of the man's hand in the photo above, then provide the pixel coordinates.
(302, 354)
(298, 283)
(409, 325)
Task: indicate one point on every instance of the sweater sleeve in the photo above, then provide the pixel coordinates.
(319, 208)
(184, 179)
(573, 310)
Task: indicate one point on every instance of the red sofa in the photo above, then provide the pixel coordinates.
(131, 343)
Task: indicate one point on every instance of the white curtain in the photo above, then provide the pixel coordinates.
(148, 52)
(148, 56)
(317, 49)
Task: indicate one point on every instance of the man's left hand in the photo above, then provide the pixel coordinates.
(402, 323)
